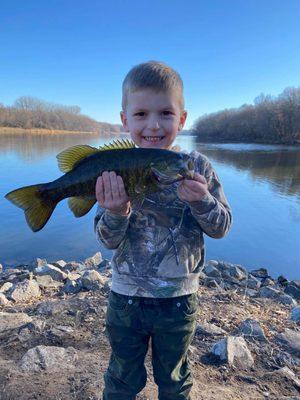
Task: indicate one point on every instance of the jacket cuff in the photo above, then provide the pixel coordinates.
(203, 206)
(114, 221)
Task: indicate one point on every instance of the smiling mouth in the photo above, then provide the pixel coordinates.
(153, 138)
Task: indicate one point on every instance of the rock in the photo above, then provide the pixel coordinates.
(23, 291)
(291, 341)
(1, 268)
(267, 282)
(252, 282)
(3, 300)
(59, 332)
(74, 266)
(211, 271)
(10, 321)
(48, 358)
(295, 315)
(293, 290)
(46, 281)
(251, 292)
(286, 299)
(207, 329)
(212, 263)
(251, 329)
(72, 286)
(38, 262)
(234, 351)
(238, 272)
(260, 273)
(6, 287)
(92, 280)
(53, 271)
(94, 261)
(59, 264)
(269, 292)
(50, 308)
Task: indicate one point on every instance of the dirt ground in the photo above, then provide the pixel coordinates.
(84, 313)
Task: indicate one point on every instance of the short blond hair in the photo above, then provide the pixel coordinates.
(153, 75)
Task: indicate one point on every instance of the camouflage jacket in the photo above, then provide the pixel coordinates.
(159, 246)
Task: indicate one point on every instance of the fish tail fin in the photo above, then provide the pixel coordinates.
(37, 209)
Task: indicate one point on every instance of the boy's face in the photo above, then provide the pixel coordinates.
(153, 118)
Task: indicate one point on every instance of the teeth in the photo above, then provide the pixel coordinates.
(153, 138)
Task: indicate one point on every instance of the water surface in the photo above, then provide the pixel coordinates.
(261, 182)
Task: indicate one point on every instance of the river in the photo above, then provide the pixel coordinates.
(261, 183)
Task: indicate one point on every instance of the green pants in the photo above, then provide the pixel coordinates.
(131, 322)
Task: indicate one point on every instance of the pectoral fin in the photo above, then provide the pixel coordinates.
(80, 205)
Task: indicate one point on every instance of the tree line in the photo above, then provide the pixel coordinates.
(269, 120)
(30, 112)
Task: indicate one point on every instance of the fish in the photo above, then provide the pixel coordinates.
(143, 170)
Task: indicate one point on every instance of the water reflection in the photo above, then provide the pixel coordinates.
(34, 147)
(279, 166)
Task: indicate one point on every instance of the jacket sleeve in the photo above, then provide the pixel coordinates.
(109, 228)
(212, 212)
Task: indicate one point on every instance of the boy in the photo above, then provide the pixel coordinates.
(159, 247)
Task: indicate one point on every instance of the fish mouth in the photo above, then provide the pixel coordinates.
(165, 179)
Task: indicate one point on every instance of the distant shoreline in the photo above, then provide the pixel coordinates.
(40, 131)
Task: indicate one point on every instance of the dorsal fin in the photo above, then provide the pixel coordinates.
(118, 144)
(71, 156)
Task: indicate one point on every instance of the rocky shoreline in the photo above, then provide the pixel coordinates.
(53, 343)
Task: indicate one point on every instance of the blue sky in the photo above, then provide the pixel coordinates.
(78, 52)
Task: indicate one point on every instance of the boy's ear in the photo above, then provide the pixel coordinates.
(124, 121)
(182, 119)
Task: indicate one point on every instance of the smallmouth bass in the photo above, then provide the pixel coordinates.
(143, 170)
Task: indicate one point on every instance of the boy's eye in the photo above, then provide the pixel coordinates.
(140, 114)
(167, 112)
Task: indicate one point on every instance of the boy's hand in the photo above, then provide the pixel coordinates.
(111, 194)
(192, 189)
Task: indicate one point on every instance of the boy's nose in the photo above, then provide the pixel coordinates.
(153, 124)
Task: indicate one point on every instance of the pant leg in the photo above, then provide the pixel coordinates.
(172, 336)
(126, 374)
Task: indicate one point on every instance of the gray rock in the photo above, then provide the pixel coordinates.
(293, 290)
(74, 266)
(211, 271)
(251, 292)
(46, 281)
(23, 291)
(38, 262)
(234, 351)
(286, 299)
(238, 272)
(252, 282)
(267, 282)
(48, 358)
(3, 300)
(207, 329)
(1, 268)
(290, 340)
(213, 282)
(269, 292)
(251, 329)
(60, 264)
(295, 315)
(92, 280)
(72, 286)
(53, 271)
(260, 273)
(212, 263)
(10, 321)
(94, 261)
